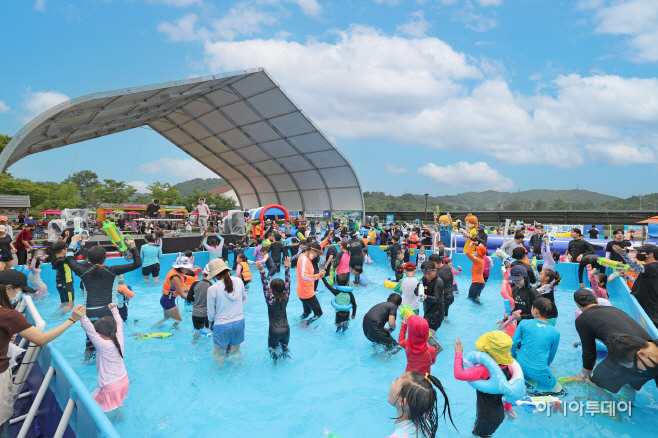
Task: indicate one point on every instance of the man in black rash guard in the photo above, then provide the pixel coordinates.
(578, 247)
(277, 251)
(444, 272)
(375, 320)
(636, 354)
(620, 242)
(433, 310)
(393, 250)
(518, 254)
(101, 282)
(355, 247)
(589, 259)
(645, 287)
(603, 322)
(523, 293)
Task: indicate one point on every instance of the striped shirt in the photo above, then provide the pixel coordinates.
(109, 362)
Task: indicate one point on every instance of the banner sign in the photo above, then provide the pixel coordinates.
(389, 218)
(345, 216)
(561, 228)
(637, 230)
(293, 213)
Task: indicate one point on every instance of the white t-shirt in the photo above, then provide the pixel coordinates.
(408, 296)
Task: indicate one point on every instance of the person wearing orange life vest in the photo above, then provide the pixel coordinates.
(242, 270)
(173, 286)
(306, 282)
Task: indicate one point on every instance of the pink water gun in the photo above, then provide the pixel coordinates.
(509, 320)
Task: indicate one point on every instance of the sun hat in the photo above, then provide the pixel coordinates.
(216, 267)
(314, 246)
(498, 345)
(182, 262)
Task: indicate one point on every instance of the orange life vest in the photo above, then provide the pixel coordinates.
(246, 272)
(167, 287)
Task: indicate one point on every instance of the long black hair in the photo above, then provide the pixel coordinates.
(228, 283)
(96, 255)
(422, 402)
(4, 298)
(108, 326)
(277, 287)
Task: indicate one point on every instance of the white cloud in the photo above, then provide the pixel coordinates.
(489, 2)
(310, 7)
(476, 176)
(416, 26)
(387, 2)
(242, 19)
(4, 108)
(140, 186)
(37, 102)
(178, 168)
(177, 3)
(367, 84)
(635, 19)
(473, 21)
(395, 169)
(40, 5)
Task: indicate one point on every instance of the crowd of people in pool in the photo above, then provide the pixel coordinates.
(527, 335)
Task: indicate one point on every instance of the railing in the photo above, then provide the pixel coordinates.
(80, 411)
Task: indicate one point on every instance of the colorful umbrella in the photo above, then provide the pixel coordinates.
(213, 214)
(133, 212)
(177, 212)
(194, 214)
(107, 212)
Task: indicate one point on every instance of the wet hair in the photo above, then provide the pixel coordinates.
(518, 253)
(556, 255)
(395, 238)
(618, 230)
(602, 278)
(623, 348)
(552, 276)
(188, 253)
(428, 266)
(395, 299)
(277, 287)
(159, 234)
(277, 237)
(96, 256)
(294, 240)
(228, 283)
(107, 326)
(422, 402)
(58, 246)
(213, 241)
(577, 231)
(358, 269)
(435, 258)
(543, 306)
(150, 238)
(265, 250)
(441, 242)
(242, 257)
(400, 253)
(343, 245)
(343, 279)
(519, 236)
(303, 242)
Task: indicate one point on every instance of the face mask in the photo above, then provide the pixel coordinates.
(641, 257)
(17, 298)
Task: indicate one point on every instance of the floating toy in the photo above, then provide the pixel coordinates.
(513, 390)
(204, 333)
(345, 308)
(391, 284)
(601, 349)
(153, 335)
(118, 239)
(532, 404)
(612, 264)
(126, 291)
(345, 288)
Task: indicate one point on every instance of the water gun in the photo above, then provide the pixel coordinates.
(510, 318)
(204, 333)
(530, 403)
(406, 311)
(533, 263)
(552, 235)
(612, 264)
(77, 228)
(503, 255)
(437, 210)
(153, 335)
(118, 239)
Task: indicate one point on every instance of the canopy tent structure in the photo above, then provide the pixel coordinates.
(240, 125)
(651, 220)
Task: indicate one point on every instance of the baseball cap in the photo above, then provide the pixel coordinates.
(409, 266)
(517, 272)
(649, 248)
(584, 297)
(446, 260)
(15, 278)
(3, 218)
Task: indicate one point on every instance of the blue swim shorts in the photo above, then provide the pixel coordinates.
(228, 334)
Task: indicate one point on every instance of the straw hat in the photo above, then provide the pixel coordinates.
(216, 267)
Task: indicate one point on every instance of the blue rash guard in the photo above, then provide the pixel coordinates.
(539, 341)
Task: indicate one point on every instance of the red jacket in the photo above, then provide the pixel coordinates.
(420, 356)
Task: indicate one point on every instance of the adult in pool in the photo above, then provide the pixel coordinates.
(433, 302)
(306, 282)
(538, 341)
(374, 322)
(416, 401)
(277, 295)
(637, 354)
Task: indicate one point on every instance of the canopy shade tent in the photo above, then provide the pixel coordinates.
(240, 125)
(133, 212)
(651, 220)
(107, 212)
(51, 212)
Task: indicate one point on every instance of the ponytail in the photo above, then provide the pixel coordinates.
(228, 283)
(113, 336)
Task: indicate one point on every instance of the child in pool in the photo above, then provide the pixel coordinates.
(267, 261)
(410, 288)
(399, 266)
(458, 271)
(277, 296)
(421, 257)
(599, 282)
(551, 258)
(420, 356)
(548, 281)
(106, 334)
(491, 410)
(242, 269)
(360, 278)
(415, 399)
(214, 245)
(151, 255)
(35, 277)
(342, 299)
(159, 234)
(343, 259)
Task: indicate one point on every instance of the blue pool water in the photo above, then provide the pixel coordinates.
(332, 383)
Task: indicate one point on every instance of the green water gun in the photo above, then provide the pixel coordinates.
(118, 239)
(612, 264)
(140, 336)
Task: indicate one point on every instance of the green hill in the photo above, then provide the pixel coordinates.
(203, 185)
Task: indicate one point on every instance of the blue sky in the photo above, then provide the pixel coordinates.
(443, 96)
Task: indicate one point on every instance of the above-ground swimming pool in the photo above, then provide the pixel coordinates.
(332, 382)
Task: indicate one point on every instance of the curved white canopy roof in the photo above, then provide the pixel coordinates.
(240, 125)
